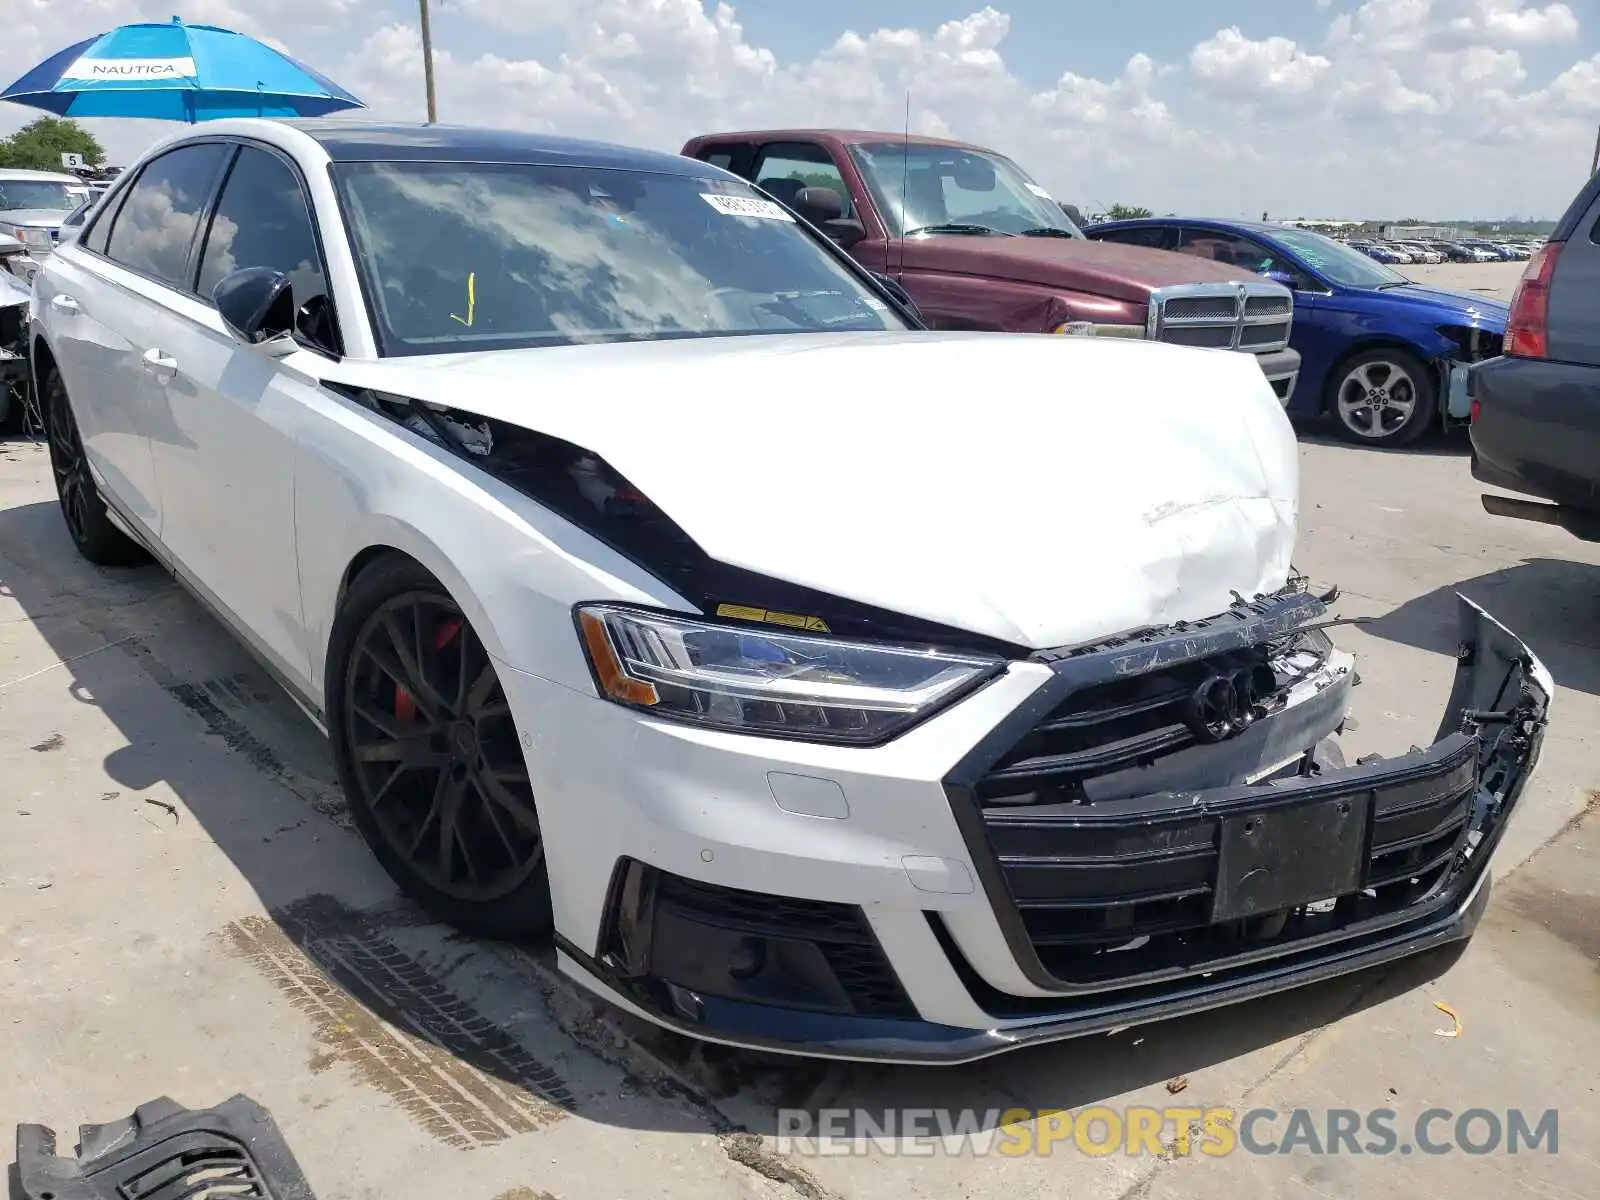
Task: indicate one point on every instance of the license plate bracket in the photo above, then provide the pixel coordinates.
(1279, 858)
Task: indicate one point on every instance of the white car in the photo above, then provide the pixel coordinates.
(821, 683)
(34, 203)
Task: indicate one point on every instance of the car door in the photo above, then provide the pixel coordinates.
(104, 293)
(225, 459)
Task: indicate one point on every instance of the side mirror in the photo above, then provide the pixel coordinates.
(819, 205)
(257, 306)
(1074, 214)
(1283, 277)
(824, 208)
(901, 296)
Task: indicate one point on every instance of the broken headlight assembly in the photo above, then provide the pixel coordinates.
(748, 679)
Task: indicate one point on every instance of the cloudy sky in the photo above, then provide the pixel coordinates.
(1297, 107)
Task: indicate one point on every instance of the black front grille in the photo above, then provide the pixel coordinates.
(1201, 308)
(1206, 337)
(1132, 722)
(1105, 897)
(1268, 306)
(1264, 335)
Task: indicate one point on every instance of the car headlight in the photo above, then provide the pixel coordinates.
(1092, 329)
(34, 239)
(751, 679)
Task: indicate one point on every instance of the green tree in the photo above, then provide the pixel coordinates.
(40, 145)
(1127, 212)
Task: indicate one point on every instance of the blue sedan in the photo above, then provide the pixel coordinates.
(1385, 357)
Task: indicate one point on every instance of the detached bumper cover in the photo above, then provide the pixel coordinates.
(1305, 877)
(163, 1150)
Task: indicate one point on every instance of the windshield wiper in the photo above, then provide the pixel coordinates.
(958, 228)
(1048, 231)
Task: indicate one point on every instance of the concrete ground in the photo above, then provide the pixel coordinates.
(184, 911)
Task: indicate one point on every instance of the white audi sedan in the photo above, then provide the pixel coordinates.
(818, 681)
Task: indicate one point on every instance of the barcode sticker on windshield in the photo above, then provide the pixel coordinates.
(745, 206)
(1039, 191)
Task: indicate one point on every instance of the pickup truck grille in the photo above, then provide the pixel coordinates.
(1253, 317)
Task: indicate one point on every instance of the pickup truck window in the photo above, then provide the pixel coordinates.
(949, 189)
(458, 256)
(785, 167)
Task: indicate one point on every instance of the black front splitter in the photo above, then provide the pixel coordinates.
(871, 1039)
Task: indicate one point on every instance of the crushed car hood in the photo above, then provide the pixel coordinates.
(1044, 491)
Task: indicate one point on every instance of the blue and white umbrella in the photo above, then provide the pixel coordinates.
(177, 72)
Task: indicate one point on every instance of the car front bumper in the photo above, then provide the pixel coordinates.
(869, 904)
(1282, 369)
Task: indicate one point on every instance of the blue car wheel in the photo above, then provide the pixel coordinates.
(1383, 397)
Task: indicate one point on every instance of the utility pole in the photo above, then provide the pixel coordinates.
(427, 64)
(1594, 164)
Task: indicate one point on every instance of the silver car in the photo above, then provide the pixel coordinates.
(34, 203)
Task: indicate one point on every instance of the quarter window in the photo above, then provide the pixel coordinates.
(154, 230)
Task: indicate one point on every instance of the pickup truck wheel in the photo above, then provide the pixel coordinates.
(430, 758)
(96, 538)
(1382, 397)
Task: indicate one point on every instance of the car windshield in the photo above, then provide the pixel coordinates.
(1336, 262)
(19, 194)
(947, 189)
(479, 256)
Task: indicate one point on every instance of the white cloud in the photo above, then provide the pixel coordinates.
(1275, 65)
(1431, 106)
(1508, 21)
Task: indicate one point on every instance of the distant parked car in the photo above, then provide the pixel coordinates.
(1380, 252)
(34, 203)
(1535, 420)
(1377, 352)
(1420, 252)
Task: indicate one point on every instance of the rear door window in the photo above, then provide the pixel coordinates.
(154, 231)
(1153, 237)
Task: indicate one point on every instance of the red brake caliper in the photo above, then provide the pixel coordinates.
(405, 708)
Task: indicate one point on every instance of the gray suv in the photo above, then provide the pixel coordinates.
(1536, 409)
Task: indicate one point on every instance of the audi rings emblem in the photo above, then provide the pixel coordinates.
(1224, 706)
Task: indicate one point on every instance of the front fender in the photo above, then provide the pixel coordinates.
(961, 302)
(363, 482)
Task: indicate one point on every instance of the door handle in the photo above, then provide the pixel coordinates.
(62, 302)
(159, 363)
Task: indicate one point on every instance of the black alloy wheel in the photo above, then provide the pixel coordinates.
(96, 538)
(431, 759)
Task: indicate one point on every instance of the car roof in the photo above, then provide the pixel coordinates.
(1211, 222)
(847, 136)
(21, 174)
(361, 141)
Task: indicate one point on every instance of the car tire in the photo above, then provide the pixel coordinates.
(429, 756)
(1364, 408)
(82, 507)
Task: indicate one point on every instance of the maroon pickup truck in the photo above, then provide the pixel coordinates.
(977, 244)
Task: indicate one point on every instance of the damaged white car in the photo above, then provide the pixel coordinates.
(819, 682)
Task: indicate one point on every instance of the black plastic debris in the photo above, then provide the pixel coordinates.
(164, 1152)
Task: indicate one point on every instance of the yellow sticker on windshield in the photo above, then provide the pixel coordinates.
(472, 300)
(743, 612)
